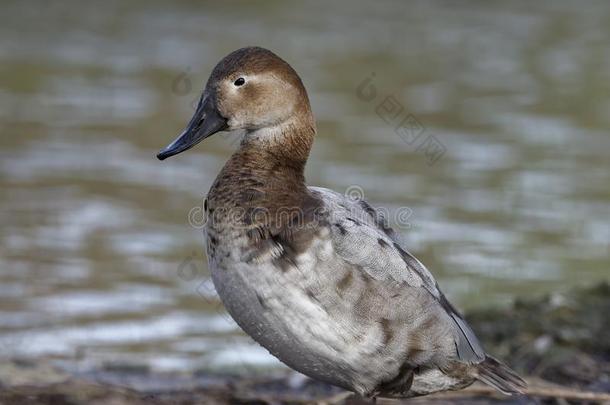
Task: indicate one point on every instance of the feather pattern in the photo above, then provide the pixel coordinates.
(317, 278)
(372, 248)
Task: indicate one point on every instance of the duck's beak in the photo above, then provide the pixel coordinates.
(205, 122)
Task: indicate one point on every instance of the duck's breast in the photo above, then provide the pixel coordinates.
(320, 315)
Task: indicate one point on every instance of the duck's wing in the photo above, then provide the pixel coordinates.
(362, 236)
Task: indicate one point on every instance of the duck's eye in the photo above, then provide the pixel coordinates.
(239, 82)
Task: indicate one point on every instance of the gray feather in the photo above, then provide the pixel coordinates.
(358, 243)
(468, 347)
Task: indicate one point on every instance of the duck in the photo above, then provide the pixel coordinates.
(318, 278)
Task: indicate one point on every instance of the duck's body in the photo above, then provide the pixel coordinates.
(318, 278)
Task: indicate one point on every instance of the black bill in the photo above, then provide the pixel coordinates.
(205, 122)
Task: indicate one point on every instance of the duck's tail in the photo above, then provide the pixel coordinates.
(492, 372)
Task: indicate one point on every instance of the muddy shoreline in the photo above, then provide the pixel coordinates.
(560, 342)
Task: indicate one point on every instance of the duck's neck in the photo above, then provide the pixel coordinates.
(268, 166)
(287, 144)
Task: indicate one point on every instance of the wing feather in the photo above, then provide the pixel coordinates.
(362, 236)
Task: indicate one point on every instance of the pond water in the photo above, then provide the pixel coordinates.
(488, 131)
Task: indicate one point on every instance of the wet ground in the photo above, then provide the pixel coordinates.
(561, 342)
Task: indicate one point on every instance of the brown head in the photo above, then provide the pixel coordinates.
(255, 90)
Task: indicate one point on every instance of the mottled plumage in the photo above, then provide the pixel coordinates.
(318, 278)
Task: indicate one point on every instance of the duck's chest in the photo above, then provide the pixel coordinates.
(276, 305)
(292, 292)
(303, 309)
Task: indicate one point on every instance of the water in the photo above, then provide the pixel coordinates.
(98, 262)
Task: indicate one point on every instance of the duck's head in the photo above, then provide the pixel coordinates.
(251, 89)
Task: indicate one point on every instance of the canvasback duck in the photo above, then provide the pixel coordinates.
(318, 278)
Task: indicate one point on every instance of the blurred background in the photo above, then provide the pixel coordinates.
(99, 262)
